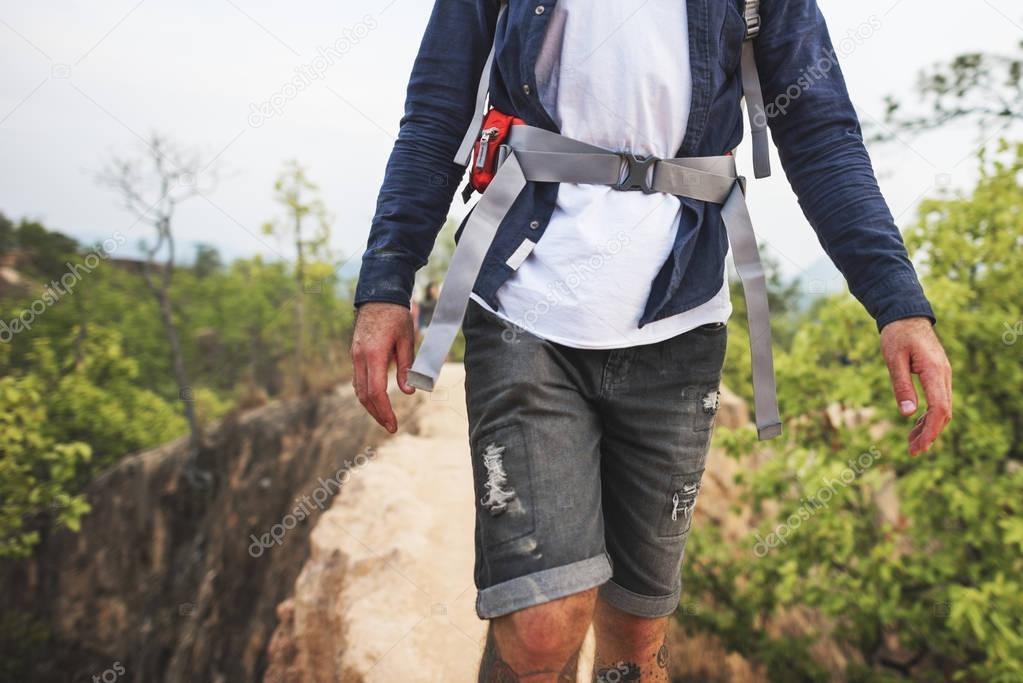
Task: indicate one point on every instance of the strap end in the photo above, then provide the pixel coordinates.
(761, 154)
(761, 167)
(769, 431)
(465, 151)
(421, 381)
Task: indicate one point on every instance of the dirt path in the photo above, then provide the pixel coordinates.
(407, 525)
(404, 526)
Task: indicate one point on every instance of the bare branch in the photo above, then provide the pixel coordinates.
(986, 89)
(151, 187)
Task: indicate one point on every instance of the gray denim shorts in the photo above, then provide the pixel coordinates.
(586, 463)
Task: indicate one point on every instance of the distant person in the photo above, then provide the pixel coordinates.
(595, 258)
(427, 304)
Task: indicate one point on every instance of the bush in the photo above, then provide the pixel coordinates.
(37, 473)
(909, 567)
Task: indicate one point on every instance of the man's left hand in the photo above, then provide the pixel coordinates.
(910, 347)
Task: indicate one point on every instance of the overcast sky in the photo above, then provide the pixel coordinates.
(81, 81)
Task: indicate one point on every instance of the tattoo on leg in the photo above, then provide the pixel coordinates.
(493, 669)
(662, 654)
(620, 672)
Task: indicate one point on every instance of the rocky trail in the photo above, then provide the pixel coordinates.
(199, 566)
(387, 593)
(391, 563)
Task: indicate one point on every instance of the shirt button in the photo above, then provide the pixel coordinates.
(534, 225)
(539, 10)
(526, 89)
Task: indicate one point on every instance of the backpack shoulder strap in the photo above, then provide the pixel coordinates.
(753, 93)
(750, 86)
(482, 90)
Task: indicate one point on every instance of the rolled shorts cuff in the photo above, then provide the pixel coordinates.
(543, 586)
(640, 605)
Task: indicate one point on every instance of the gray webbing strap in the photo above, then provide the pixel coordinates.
(757, 113)
(753, 93)
(561, 159)
(743, 240)
(482, 89)
(466, 262)
(546, 156)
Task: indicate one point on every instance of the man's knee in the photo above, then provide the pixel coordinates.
(549, 630)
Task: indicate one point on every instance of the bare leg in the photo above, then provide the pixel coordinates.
(629, 648)
(538, 644)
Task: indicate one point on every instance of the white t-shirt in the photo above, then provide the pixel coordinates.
(615, 75)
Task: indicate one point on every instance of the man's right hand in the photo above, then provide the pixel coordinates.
(382, 331)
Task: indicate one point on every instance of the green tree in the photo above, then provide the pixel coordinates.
(207, 261)
(87, 378)
(152, 188)
(910, 567)
(92, 397)
(8, 234)
(69, 407)
(985, 88)
(38, 474)
(46, 251)
(299, 197)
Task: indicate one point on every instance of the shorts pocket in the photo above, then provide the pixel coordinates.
(680, 501)
(501, 475)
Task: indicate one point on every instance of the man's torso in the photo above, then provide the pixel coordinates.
(619, 78)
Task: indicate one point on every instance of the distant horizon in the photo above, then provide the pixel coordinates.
(819, 278)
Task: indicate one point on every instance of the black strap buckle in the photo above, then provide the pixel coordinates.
(638, 173)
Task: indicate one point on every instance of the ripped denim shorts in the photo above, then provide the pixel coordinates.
(587, 463)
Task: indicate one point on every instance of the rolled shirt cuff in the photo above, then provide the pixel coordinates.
(386, 278)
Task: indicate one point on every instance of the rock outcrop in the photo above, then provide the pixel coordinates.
(178, 571)
(387, 592)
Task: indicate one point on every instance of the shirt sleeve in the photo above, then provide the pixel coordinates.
(421, 177)
(820, 143)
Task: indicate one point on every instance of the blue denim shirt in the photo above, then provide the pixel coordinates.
(810, 116)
